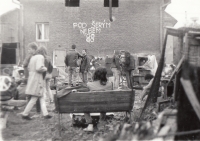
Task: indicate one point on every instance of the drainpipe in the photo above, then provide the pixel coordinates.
(21, 31)
(0, 52)
(161, 21)
(110, 10)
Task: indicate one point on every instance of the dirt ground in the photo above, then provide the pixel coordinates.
(40, 129)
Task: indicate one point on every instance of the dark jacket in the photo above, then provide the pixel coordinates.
(85, 64)
(129, 64)
(71, 58)
(115, 62)
(48, 65)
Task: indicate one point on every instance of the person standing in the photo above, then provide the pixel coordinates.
(71, 64)
(32, 48)
(84, 67)
(127, 63)
(35, 86)
(115, 67)
(48, 77)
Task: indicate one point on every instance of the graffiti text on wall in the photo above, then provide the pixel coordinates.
(89, 32)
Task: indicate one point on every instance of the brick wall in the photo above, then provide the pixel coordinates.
(135, 29)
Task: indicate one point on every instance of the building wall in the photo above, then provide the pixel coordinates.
(135, 29)
(9, 26)
(9, 23)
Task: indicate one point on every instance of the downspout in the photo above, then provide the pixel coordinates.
(21, 31)
(110, 10)
(161, 22)
(0, 43)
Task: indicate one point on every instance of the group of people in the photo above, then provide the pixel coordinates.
(37, 69)
(73, 61)
(77, 63)
(99, 83)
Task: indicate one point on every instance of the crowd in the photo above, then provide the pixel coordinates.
(38, 72)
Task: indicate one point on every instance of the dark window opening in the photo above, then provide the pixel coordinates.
(115, 3)
(72, 3)
(142, 60)
(8, 55)
(167, 1)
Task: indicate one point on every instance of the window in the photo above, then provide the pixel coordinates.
(42, 31)
(8, 55)
(115, 3)
(72, 3)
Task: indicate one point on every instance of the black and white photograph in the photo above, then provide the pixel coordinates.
(99, 70)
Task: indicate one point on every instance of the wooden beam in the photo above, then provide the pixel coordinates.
(187, 86)
(175, 32)
(176, 70)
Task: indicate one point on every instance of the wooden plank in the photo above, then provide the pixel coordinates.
(107, 101)
(164, 130)
(194, 33)
(92, 103)
(187, 86)
(101, 97)
(176, 70)
(95, 99)
(64, 109)
(115, 106)
(174, 32)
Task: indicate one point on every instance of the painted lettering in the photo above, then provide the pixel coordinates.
(74, 25)
(90, 32)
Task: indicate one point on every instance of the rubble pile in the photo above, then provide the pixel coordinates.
(160, 127)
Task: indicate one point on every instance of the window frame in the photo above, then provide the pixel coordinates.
(70, 3)
(43, 31)
(113, 5)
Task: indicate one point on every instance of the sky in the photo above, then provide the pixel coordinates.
(184, 11)
(7, 5)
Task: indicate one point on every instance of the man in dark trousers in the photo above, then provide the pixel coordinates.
(116, 69)
(85, 64)
(71, 64)
(127, 63)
